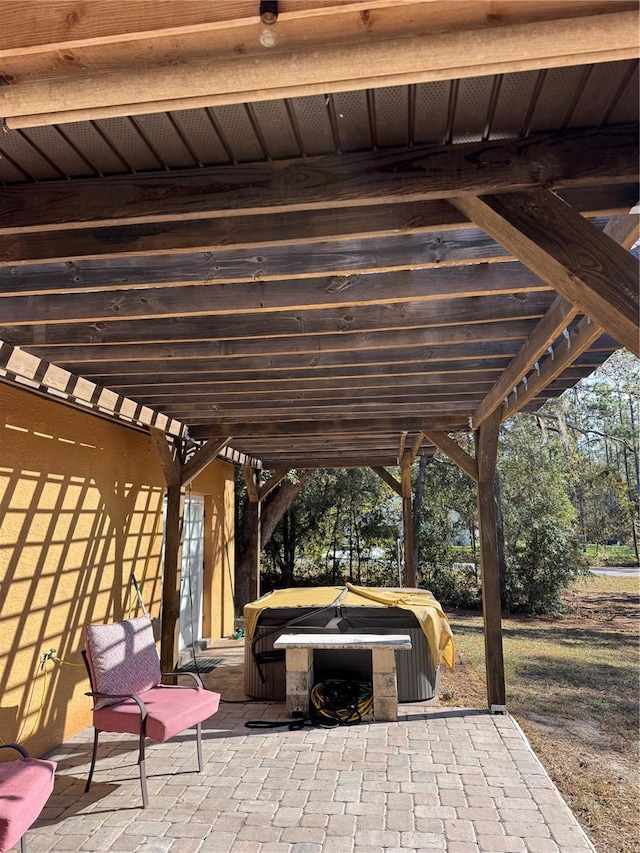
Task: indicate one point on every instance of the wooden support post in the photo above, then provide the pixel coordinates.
(171, 580)
(486, 454)
(254, 508)
(407, 520)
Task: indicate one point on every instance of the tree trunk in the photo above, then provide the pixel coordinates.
(502, 564)
(274, 507)
(418, 501)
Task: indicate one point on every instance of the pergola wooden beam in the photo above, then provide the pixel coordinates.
(557, 318)
(562, 355)
(423, 172)
(201, 458)
(388, 478)
(277, 476)
(167, 456)
(453, 450)
(407, 519)
(585, 266)
(624, 229)
(486, 439)
(253, 510)
(235, 67)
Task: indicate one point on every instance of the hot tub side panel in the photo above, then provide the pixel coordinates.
(418, 676)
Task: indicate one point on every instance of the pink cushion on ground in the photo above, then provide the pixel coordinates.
(25, 787)
(123, 657)
(170, 710)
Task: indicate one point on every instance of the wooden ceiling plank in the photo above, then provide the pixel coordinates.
(225, 414)
(453, 450)
(403, 361)
(409, 364)
(226, 349)
(276, 230)
(584, 265)
(384, 397)
(214, 300)
(326, 426)
(570, 158)
(229, 232)
(337, 460)
(181, 385)
(289, 265)
(353, 319)
(388, 478)
(210, 78)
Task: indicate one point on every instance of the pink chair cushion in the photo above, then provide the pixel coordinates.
(25, 787)
(123, 658)
(170, 710)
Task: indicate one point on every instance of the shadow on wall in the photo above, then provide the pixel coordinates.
(80, 510)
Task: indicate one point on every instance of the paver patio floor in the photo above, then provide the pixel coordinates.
(439, 779)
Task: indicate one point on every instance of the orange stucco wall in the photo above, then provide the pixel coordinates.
(80, 509)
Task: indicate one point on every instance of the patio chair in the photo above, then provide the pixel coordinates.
(124, 671)
(25, 786)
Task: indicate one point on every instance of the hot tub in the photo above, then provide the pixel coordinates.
(340, 609)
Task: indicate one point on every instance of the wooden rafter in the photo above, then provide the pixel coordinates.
(408, 286)
(33, 372)
(277, 230)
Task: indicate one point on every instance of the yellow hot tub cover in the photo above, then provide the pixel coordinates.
(421, 603)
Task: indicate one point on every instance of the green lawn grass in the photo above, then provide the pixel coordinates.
(610, 555)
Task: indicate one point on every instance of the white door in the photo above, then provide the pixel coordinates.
(191, 577)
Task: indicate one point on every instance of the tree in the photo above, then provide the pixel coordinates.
(274, 506)
(541, 548)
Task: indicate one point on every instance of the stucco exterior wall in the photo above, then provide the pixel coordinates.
(80, 509)
(216, 483)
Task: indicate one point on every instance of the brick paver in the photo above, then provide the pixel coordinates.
(458, 781)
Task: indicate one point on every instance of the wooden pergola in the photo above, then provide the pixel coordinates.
(403, 221)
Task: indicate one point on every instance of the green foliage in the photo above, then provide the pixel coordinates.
(541, 548)
(569, 475)
(345, 523)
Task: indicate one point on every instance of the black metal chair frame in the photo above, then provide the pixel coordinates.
(143, 728)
